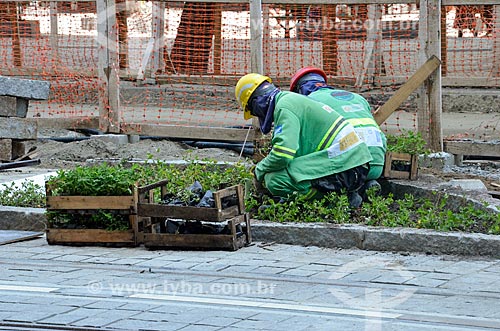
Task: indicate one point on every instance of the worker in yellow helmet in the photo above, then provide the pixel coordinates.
(314, 149)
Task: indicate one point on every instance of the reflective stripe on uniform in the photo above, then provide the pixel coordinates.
(283, 151)
(344, 141)
(331, 133)
(363, 121)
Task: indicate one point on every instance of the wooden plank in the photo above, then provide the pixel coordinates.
(157, 240)
(69, 123)
(90, 202)
(383, 112)
(478, 148)
(186, 212)
(190, 132)
(89, 236)
(446, 81)
(18, 128)
(231, 80)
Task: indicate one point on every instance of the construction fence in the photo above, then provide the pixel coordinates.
(168, 68)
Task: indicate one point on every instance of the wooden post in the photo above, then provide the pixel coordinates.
(108, 66)
(158, 31)
(256, 54)
(329, 40)
(430, 94)
(495, 72)
(373, 52)
(217, 38)
(54, 34)
(256, 46)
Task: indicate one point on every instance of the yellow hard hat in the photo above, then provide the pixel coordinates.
(244, 89)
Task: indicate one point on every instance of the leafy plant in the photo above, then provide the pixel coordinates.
(28, 194)
(407, 142)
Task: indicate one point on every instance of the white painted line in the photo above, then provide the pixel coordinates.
(260, 304)
(27, 288)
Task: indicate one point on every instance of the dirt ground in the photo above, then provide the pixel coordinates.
(79, 148)
(82, 150)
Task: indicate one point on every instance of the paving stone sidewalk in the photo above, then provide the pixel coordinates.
(261, 287)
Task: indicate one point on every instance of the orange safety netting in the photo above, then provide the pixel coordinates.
(178, 61)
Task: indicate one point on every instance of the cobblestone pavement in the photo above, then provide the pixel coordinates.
(260, 287)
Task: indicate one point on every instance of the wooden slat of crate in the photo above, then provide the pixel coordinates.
(412, 159)
(186, 212)
(145, 208)
(221, 241)
(90, 202)
(90, 236)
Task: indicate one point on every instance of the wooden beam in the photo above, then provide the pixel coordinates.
(190, 132)
(69, 123)
(383, 112)
(478, 148)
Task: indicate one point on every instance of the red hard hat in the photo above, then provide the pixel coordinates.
(304, 71)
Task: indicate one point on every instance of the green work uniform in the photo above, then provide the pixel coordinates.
(355, 109)
(310, 140)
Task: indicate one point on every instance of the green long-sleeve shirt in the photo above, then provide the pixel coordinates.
(356, 110)
(311, 140)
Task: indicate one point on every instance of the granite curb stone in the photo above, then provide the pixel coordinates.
(321, 235)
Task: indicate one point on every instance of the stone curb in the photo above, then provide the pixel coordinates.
(321, 235)
(376, 238)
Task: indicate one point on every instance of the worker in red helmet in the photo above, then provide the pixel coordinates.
(314, 150)
(312, 82)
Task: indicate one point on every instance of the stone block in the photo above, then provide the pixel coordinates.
(18, 148)
(436, 160)
(5, 149)
(24, 88)
(117, 139)
(133, 138)
(18, 128)
(13, 107)
(467, 184)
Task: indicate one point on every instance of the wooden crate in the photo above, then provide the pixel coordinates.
(88, 205)
(151, 214)
(410, 161)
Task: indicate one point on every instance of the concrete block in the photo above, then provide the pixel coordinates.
(436, 160)
(18, 128)
(13, 107)
(5, 149)
(24, 88)
(18, 148)
(23, 219)
(133, 138)
(117, 139)
(467, 184)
